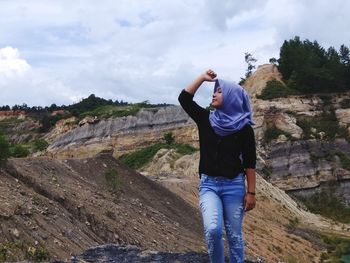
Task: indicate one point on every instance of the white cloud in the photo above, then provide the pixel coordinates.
(11, 64)
(149, 50)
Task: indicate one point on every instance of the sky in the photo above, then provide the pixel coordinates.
(61, 51)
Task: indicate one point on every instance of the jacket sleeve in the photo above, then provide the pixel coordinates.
(249, 148)
(191, 107)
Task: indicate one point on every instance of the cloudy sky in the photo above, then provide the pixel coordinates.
(60, 51)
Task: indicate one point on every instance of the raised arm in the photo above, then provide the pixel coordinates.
(209, 75)
(187, 94)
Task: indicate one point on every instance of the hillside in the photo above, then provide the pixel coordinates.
(65, 207)
(302, 144)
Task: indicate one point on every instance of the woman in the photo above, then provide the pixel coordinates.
(227, 158)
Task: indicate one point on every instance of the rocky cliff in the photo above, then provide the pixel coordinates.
(125, 134)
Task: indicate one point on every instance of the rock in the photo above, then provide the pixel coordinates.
(343, 116)
(132, 253)
(281, 138)
(287, 123)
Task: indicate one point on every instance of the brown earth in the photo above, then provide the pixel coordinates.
(66, 207)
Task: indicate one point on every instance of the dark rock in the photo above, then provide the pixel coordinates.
(133, 254)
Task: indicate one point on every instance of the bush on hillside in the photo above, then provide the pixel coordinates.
(275, 89)
(19, 151)
(4, 149)
(40, 144)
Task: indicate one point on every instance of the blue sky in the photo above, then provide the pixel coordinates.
(62, 51)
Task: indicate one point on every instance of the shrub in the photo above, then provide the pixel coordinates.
(327, 204)
(169, 138)
(184, 149)
(275, 89)
(141, 157)
(19, 151)
(4, 149)
(40, 144)
(272, 133)
(327, 123)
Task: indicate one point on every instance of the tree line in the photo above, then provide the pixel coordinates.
(307, 67)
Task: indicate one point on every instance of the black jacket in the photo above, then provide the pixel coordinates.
(220, 155)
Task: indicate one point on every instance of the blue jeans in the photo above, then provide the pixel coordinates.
(221, 200)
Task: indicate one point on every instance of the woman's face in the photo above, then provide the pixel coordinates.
(217, 98)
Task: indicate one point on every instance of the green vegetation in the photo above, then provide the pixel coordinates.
(4, 149)
(327, 123)
(272, 133)
(108, 111)
(40, 144)
(338, 249)
(344, 160)
(48, 121)
(327, 204)
(141, 157)
(275, 89)
(112, 179)
(19, 151)
(249, 59)
(22, 250)
(169, 138)
(309, 68)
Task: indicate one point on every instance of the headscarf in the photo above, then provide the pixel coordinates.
(234, 112)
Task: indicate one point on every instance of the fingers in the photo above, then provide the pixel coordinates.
(211, 73)
(248, 204)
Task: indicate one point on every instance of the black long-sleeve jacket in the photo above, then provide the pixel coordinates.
(220, 155)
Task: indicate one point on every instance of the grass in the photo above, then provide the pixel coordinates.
(338, 249)
(327, 204)
(108, 111)
(141, 157)
(23, 250)
(112, 179)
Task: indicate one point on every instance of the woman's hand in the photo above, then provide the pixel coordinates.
(209, 75)
(249, 202)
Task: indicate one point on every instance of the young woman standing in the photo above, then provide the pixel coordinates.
(227, 158)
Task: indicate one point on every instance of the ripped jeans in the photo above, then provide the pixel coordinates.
(221, 200)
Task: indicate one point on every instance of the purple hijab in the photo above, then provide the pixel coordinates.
(234, 113)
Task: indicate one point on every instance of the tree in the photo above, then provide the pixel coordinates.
(249, 59)
(273, 61)
(344, 55)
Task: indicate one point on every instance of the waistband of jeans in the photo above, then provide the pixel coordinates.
(241, 175)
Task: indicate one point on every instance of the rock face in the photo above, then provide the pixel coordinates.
(257, 82)
(18, 114)
(123, 134)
